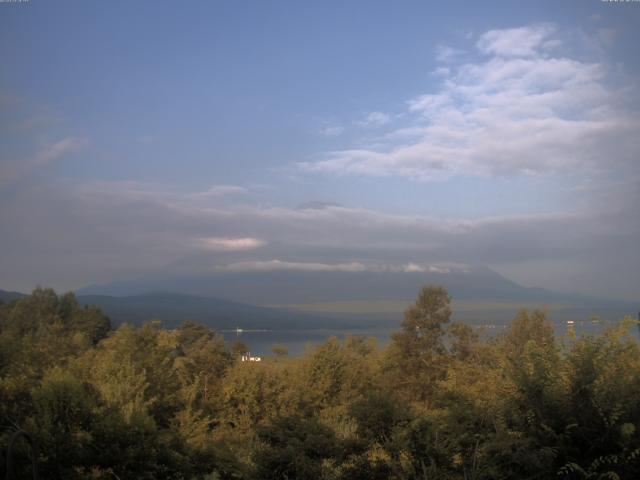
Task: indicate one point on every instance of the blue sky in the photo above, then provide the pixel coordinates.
(139, 135)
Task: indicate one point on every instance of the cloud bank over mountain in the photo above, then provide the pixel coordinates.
(101, 232)
(517, 149)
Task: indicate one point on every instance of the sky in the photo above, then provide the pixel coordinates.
(141, 137)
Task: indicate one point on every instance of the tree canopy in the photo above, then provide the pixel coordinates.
(439, 401)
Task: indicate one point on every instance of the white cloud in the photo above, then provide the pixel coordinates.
(521, 111)
(127, 229)
(441, 72)
(228, 244)
(56, 150)
(428, 103)
(276, 265)
(13, 169)
(331, 130)
(374, 119)
(517, 42)
(222, 190)
(445, 54)
(415, 268)
(280, 265)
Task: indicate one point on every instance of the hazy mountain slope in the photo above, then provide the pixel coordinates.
(476, 292)
(286, 287)
(174, 308)
(7, 296)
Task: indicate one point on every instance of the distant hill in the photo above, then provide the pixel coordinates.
(295, 287)
(7, 296)
(476, 291)
(329, 300)
(173, 308)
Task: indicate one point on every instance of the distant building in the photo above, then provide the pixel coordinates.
(249, 358)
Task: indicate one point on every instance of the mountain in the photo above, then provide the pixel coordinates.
(480, 294)
(295, 287)
(173, 308)
(328, 300)
(7, 296)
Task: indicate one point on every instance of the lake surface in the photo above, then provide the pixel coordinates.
(261, 342)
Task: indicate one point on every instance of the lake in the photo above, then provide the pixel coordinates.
(261, 342)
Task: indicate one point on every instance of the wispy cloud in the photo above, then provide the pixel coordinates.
(527, 41)
(374, 119)
(126, 229)
(415, 268)
(277, 265)
(11, 170)
(223, 244)
(56, 150)
(352, 267)
(331, 130)
(526, 109)
(446, 54)
(221, 191)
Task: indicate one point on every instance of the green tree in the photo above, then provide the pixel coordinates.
(463, 341)
(294, 447)
(201, 355)
(418, 351)
(527, 327)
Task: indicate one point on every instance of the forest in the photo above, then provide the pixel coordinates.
(81, 400)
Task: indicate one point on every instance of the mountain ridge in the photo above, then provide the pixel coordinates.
(173, 308)
(295, 287)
